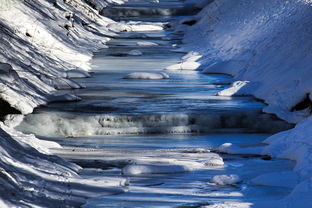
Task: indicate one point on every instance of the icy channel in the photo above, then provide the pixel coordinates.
(161, 136)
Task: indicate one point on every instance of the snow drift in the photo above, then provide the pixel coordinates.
(263, 42)
(265, 45)
(43, 44)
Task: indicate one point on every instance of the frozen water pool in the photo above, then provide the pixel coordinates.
(161, 135)
(173, 187)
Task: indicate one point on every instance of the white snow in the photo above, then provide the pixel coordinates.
(147, 75)
(188, 62)
(225, 179)
(252, 46)
(264, 45)
(57, 40)
(135, 53)
(236, 149)
(230, 205)
(187, 65)
(234, 89)
(44, 43)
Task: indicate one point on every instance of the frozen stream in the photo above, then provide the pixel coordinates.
(160, 134)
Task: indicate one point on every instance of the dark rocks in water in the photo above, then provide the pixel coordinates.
(266, 157)
(6, 109)
(28, 34)
(118, 54)
(189, 22)
(306, 103)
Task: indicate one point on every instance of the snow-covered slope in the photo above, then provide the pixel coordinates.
(43, 44)
(266, 46)
(264, 42)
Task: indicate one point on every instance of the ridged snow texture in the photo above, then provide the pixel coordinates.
(264, 42)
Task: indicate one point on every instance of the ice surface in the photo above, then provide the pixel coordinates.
(146, 43)
(147, 75)
(153, 169)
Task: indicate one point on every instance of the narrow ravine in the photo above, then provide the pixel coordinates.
(160, 129)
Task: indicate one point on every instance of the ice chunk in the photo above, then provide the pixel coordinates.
(236, 86)
(215, 162)
(119, 27)
(225, 179)
(188, 65)
(235, 149)
(146, 75)
(135, 53)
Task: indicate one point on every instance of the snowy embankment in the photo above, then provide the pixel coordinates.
(43, 44)
(266, 46)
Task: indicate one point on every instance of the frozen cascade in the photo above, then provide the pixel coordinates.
(73, 125)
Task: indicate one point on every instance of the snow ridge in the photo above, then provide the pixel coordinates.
(265, 45)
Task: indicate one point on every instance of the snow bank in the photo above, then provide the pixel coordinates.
(30, 177)
(55, 34)
(264, 45)
(43, 44)
(262, 42)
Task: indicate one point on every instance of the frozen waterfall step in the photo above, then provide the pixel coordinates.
(53, 124)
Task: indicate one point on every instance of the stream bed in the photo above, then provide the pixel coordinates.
(161, 134)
